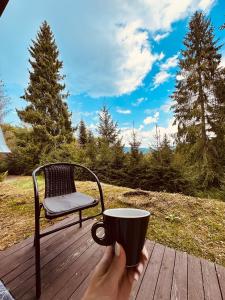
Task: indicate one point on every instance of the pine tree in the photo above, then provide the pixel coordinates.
(166, 151)
(47, 111)
(83, 135)
(218, 116)
(107, 128)
(195, 96)
(135, 146)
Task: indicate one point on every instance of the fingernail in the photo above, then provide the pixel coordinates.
(117, 249)
(136, 276)
(140, 268)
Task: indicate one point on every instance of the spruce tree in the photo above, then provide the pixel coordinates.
(134, 147)
(195, 96)
(83, 135)
(107, 128)
(47, 111)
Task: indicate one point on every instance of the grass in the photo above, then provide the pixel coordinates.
(190, 224)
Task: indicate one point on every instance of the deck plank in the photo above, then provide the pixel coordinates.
(148, 284)
(210, 281)
(47, 249)
(52, 251)
(164, 284)
(79, 292)
(90, 259)
(68, 258)
(149, 246)
(56, 266)
(179, 286)
(74, 268)
(195, 283)
(221, 277)
(11, 262)
(22, 244)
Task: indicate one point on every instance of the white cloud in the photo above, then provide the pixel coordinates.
(123, 111)
(107, 48)
(87, 113)
(158, 37)
(166, 107)
(139, 101)
(160, 78)
(222, 63)
(163, 75)
(179, 77)
(159, 56)
(151, 119)
(171, 62)
(147, 137)
(206, 5)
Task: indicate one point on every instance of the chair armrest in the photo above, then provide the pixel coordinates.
(97, 181)
(36, 192)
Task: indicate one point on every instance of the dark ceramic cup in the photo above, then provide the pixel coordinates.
(128, 227)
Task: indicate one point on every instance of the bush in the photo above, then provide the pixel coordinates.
(3, 176)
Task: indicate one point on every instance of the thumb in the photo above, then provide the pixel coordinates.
(118, 265)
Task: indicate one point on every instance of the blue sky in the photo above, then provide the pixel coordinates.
(121, 53)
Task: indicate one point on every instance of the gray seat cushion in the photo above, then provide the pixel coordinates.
(4, 293)
(67, 202)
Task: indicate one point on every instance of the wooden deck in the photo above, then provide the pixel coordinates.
(69, 256)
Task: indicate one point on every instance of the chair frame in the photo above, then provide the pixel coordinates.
(38, 206)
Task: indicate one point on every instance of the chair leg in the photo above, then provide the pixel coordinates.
(38, 267)
(37, 256)
(80, 216)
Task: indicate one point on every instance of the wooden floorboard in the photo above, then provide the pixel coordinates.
(69, 257)
(56, 266)
(148, 284)
(48, 248)
(164, 283)
(51, 258)
(22, 254)
(180, 281)
(210, 281)
(221, 278)
(195, 282)
(149, 246)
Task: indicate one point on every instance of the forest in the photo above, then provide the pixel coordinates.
(191, 162)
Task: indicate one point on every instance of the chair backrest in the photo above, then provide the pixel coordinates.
(59, 180)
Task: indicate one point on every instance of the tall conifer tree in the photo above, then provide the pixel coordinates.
(195, 97)
(199, 66)
(47, 111)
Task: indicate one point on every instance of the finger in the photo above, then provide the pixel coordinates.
(105, 262)
(145, 253)
(131, 275)
(140, 268)
(118, 265)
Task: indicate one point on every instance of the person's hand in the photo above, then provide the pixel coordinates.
(111, 280)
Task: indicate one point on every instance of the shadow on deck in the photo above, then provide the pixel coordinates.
(69, 256)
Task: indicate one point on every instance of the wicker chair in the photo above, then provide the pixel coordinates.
(61, 198)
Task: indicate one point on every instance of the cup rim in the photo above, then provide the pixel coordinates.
(145, 213)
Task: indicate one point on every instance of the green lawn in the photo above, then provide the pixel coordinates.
(190, 224)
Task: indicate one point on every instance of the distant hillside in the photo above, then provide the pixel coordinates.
(142, 149)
